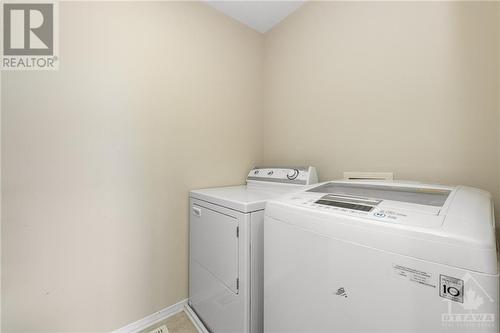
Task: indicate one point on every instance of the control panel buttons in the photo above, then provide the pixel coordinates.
(283, 175)
(379, 214)
(292, 174)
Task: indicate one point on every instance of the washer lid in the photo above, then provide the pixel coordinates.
(458, 232)
(420, 195)
(398, 203)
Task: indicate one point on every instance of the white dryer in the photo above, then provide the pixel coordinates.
(349, 256)
(226, 240)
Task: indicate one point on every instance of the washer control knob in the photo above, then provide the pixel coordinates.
(292, 174)
(256, 172)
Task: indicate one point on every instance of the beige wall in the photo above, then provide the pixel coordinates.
(406, 87)
(498, 108)
(151, 99)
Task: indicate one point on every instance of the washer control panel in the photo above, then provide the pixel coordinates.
(365, 209)
(409, 204)
(288, 175)
(378, 210)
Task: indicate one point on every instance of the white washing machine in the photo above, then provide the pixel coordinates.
(353, 256)
(225, 258)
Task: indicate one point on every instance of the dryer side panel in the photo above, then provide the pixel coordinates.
(257, 271)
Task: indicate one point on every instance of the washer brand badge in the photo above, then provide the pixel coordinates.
(451, 288)
(30, 32)
(469, 305)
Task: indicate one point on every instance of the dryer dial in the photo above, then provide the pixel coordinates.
(292, 174)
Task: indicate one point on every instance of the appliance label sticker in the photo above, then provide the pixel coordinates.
(451, 288)
(413, 275)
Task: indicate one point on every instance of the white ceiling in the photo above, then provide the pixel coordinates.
(259, 15)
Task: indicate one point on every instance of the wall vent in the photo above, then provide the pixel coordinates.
(368, 175)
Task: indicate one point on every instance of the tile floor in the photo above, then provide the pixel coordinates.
(178, 323)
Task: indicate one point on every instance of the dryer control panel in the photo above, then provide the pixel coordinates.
(303, 175)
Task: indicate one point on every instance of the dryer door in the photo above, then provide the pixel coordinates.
(214, 243)
(219, 266)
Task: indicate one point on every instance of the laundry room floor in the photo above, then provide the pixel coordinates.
(178, 323)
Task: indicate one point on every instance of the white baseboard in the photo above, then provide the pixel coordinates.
(153, 318)
(194, 319)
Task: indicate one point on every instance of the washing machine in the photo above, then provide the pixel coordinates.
(225, 243)
(359, 256)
